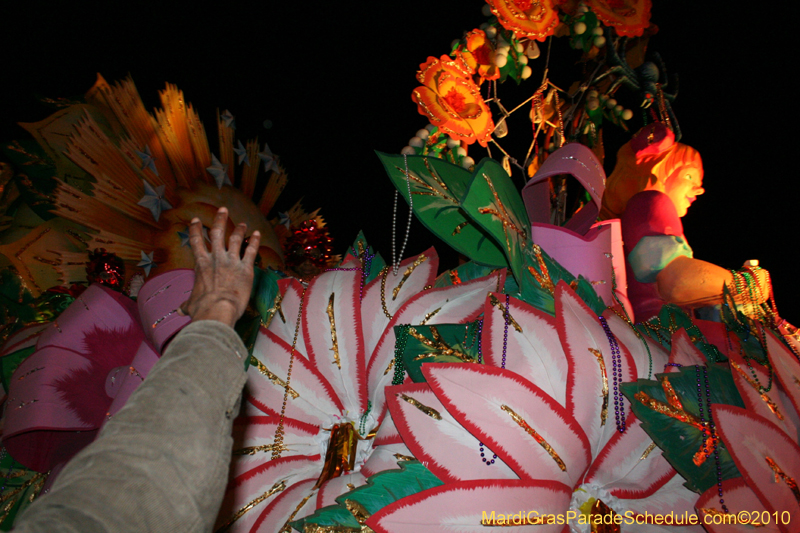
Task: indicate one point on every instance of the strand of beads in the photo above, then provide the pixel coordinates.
(709, 429)
(616, 369)
(399, 348)
(396, 259)
(507, 316)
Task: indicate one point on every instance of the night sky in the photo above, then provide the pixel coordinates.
(335, 79)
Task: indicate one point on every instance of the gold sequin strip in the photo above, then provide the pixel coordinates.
(461, 226)
(252, 450)
(648, 451)
(417, 262)
(272, 377)
(276, 308)
(276, 488)
(286, 527)
(430, 411)
(384, 273)
(430, 315)
(401, 457)
(780, 474)
(506, 313)
(764, 396)
(538, 438)
(544, 280)
(454, 278)
(604, 412)
(335, 342)
(389, 368)
(502, 214)
(438, 345)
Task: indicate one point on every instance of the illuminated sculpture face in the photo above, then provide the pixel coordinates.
(683, 186)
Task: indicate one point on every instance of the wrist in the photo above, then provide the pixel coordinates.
(222, 310)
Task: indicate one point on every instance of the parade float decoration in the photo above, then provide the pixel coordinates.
(382, 396)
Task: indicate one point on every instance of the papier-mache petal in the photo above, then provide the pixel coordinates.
(443, 445)
(672, 496)
(767, 458)
(683, 352)
(387, 433)
(250, 494)
(630, 466)
(638, 346)
(254, 436)
(455, 304)
(332, 331)
(311, 398)
(582, 337)
(294, 503)
(767, 404)
(503, 410)
(738, 498)
(786, 368)
(381, 291)
(333, 488)
(385, 457)
(284, 321)
(534, 353)
(461, 507)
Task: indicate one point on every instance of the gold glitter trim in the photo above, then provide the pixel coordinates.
(252, 450)
(438, 345)
(506, 314)
(276, 488)
(401, 457)
(538, 438)
(502, 214)
(430, 411)
(461, 226)
(335, 342)
(417, 262)
(647, 451)
(430, 315)
(780, 474)
(272, 377)
(276, 308)
(759, 389)
(544, 280)
(604, 412)
(286, 527)
(454, 278)
(389, 368)
(384, 273)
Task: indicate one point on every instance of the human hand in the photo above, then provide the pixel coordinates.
(223, 280)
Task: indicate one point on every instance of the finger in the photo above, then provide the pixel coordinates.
(235, 241)
(252, 249)
(183, 310)
(196, 239)
(217, 232)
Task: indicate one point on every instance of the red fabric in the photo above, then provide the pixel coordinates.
(647, 214)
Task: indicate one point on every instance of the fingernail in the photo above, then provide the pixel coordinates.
(223, 210)
(256, 233)
(195, 220)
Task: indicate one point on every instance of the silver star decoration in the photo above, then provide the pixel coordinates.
(148, 161)
(147, 262)
(241, 151)
(283, 218)
(228, 118)
(219, 171)
(184, 235)
(153, 200)
(268, 158)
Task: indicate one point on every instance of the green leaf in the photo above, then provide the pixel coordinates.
(550, 272)
(681, 440)
(670, 319)
(370, 259)
(380, 490)
(494, 203)
(437, 188)
(587, 293)
(464, 272)
(442, 343)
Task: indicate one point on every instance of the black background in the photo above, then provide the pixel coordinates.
(335, 79)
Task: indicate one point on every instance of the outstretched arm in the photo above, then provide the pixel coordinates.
(161, 463)
(691, 282)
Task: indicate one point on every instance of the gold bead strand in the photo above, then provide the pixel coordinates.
(277, 444)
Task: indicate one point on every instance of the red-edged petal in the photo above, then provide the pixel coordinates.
(627, 336)
(786, 367)
(256, 490)
(293, 504)
(628, 467)
(332, 331)
(385, 457)
(442, 445)
(672, 496)
(582, 337)
(755, 444)
(455, 304)
(738, 497)
(387, 433)
(316, 401)
(684, 352)
(333, 488)
(253, 438)
(284, 321)
(460, 507)
(535, 353)
(379, 293)
(486, 400)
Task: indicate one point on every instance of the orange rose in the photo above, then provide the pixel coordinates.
(479, 55)
(628, 17)
(535, 19)
(452, 101)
